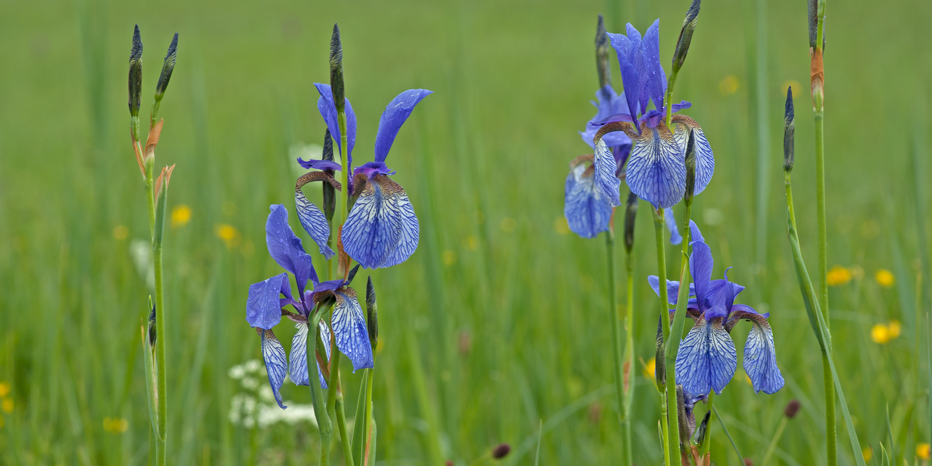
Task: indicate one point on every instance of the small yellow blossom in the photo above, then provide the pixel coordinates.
(181, 215)
(4, 389)
(229, 234)
(560, 225)
(7, 405)
(838, 275)
(650, 368)
(880, 334)
(884, 278)
(120, 232)
(867, 453)
(116, 425)
(449, 257)
(894, 329)
(923, 451)
(508, 224)
(729, 85)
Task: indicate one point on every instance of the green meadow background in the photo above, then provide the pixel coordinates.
(496, 329)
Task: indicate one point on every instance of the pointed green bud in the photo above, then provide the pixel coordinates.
(336, 69)
(631, 213)
(686, 36)
(690, 169)
(372, 315)
(330, 200)
(602, 48)
(812, 6)
(660, 368)
(167, 67)
(135, 74)
(789, 131)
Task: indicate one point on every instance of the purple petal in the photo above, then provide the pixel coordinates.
(653, 78)
(627, 49)
(707, 359)
(610, 104)
(760, 357)
(329, 111)
(694, 233)
(319, 164)
(605, 168)
(273, 353)
(286, 248)
(297, 364)
(705, 160)
(373, 168)
(393, 117)
(683, 105)
(673, 288)
(587, 213)
(330, 285)
(382, 229)
(263, 307)
(349, 328)
(656, 170)
(700, 267)
(670, 220)
(314, 222)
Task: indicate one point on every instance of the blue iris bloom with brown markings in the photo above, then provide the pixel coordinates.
(656, 169)
(707, 359)
(269, 298)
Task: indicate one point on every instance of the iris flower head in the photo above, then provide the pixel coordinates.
(656, 169)
(707, 359)
(268, 299)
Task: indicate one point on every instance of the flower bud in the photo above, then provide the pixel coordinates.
(501, 451)
(789, 131)
(813, 22)
(703, 428)
(330, 201)
(372, 317)
(690, 169)
(151, 324)
(135, 74)
(631, 211)
(336, 69)
(167, 67)
(683, 418)
(791, 409)
(660, 371)
(686, 35)
(602, 48)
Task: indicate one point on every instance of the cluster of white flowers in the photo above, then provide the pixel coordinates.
(255, 404)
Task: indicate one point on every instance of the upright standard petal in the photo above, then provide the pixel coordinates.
(587, 213)
(605, 167)
(628, 48)
(654, 80)
(707, 359)
(670, 220)
(349, 328)
(313, 220)
(297, 360)
(263, 307)
(275, 364)
(760, 357)
(700, 267)
(286, 248)
(610, 105)
(329, 111)
(705, 161)
(656, 169)
(393, 117)
(381, 230)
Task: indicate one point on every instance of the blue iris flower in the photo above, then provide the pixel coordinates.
(267, 300)
(656, 170)
(707, 359)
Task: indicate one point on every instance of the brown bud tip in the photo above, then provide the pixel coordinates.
(501, 451)
(748, 462)
(791, 409)
(449, 463)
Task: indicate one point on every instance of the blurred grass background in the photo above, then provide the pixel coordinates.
(501, 308)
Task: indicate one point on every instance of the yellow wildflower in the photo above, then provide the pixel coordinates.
(7, 405)
(650, 368)
(120, 232)
(867, 453)
(449, 257)
(181, 215)
(923, 451)
(894, 329)
(729, 85)
(229, 234)
(4, 389)
(560, 225)
(838, 275)
(880, 334)
(884, 278)
(116, 425)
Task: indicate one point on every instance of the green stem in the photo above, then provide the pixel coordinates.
(616, 330)
(324, 426)
(364, 458)
(341, 426)
(629, 358)
(668, 411)
(344, 172)
(775, 440)
(707, 441)
(161, 405)
(672, 343)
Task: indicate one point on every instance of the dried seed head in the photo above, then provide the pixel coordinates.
(336, 69)
(792, 408)
(501, 451)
